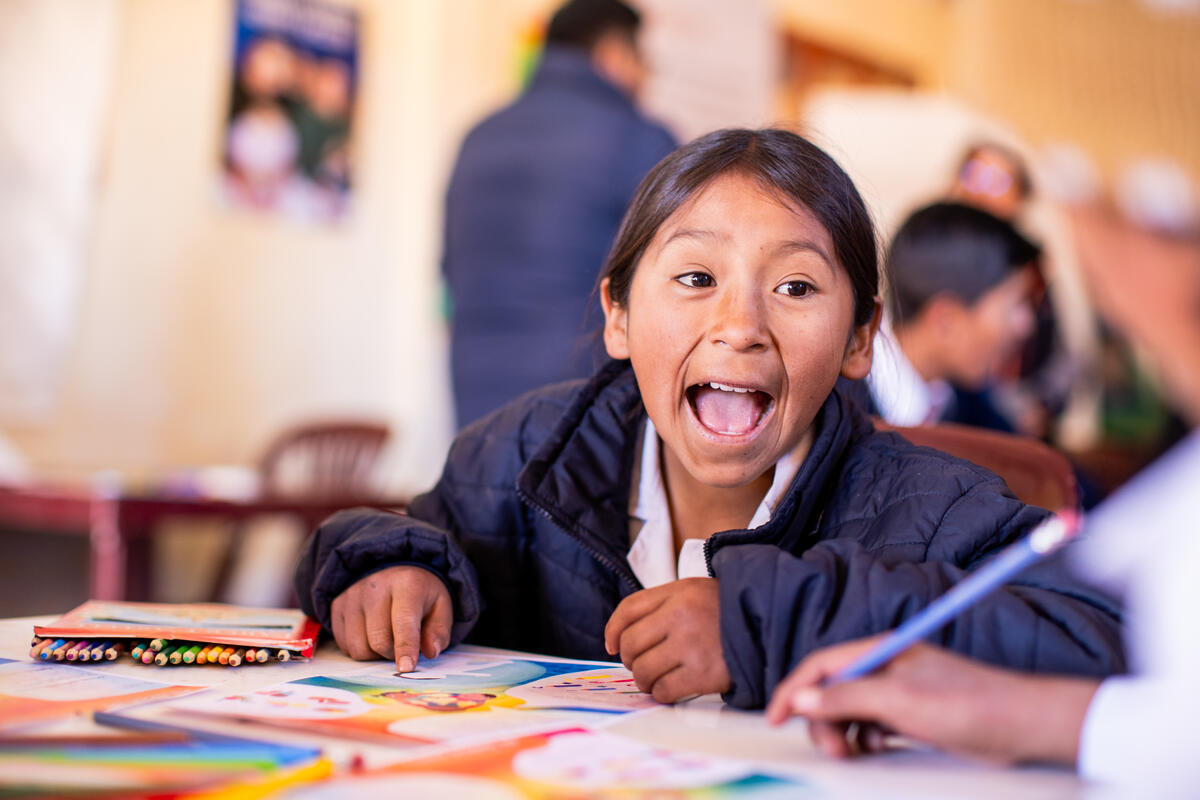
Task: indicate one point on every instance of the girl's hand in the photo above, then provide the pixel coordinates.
(670, 637)
(392, 612)
(937, 697)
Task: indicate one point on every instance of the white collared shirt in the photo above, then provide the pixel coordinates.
(652, 552)
(902, 396)
(1145, 540)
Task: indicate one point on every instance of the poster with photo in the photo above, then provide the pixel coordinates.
(287, 143)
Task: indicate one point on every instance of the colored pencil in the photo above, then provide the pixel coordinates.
(158, 644)
(138, 649)
(147, 656)
(202, 656)
(61, 652)
(283, 655)
(223, 658)
(97, 651)
(189, 655)
(37, 649)
(76, 652)
(1042, 540)
(237, 658)
(113, 650)
(262, 656)
(49, 649)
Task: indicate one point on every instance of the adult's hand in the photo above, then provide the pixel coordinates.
(670, 638)
(937, 697)
(391, 614)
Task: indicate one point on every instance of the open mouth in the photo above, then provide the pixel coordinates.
(729, 410)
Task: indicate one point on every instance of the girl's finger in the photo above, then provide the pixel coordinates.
(633, 608)
(354, 628)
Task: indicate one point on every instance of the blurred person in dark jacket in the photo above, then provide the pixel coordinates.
(534, 200)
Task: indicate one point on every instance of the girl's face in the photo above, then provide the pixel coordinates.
(738, 323)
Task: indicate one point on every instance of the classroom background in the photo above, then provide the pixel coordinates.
(161, 326)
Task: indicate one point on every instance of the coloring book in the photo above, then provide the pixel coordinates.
(36, 692)
(459, 694)
(564, 765)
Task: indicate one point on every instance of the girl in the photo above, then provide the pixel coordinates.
(708, 506)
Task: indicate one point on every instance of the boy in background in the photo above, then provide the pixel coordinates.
(961, 281)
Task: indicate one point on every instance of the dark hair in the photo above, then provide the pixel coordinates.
(782, 162)
(1020, 170)
(952, 248)
(580, 23)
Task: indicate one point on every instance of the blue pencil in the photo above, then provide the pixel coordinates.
(50, 648)
(1043, 539)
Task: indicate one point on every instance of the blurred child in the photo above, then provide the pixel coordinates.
(960, 285)
(1136, 730)
(708, 506)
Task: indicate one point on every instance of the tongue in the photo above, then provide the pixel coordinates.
(727, 412)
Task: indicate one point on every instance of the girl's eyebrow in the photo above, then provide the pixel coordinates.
(784, 248)
(696, 233)
(804, 246)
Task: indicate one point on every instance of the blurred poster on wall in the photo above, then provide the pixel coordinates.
(287, 138)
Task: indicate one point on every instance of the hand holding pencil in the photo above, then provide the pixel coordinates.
(937, 697)
(856, 693)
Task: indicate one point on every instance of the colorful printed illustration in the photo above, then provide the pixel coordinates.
(241, 769)
(563, 764)
(33, 691)
(459, 694)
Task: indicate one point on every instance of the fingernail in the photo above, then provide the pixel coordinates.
(806, 700)
(404, 664)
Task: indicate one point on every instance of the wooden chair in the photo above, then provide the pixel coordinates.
(1035, 472)
(331, 460)
(328, 461)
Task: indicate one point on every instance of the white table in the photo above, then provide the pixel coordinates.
(704, 725)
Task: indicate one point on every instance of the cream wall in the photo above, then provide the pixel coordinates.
(201, 331)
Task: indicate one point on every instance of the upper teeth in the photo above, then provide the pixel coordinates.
(725, 388)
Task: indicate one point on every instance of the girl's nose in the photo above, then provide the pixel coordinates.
(740, 321)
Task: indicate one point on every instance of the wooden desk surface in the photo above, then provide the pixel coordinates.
(704, 725)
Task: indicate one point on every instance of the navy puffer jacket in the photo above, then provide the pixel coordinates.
(528, 527)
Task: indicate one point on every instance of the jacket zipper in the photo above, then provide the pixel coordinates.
(708, 543)
(622, 571)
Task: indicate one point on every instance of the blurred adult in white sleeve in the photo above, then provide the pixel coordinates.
(1132, 734)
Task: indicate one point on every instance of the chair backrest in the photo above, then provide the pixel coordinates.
(1035, 472)
(324, 460)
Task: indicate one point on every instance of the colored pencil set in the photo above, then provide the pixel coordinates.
(159, 652)
(49, 649)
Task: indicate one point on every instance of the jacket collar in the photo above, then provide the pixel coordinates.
(579, 477)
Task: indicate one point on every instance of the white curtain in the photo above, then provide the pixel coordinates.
(55, 64)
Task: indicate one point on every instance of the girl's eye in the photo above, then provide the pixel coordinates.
(796, 288)
(696, 280)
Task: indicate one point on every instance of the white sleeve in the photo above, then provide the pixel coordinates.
(1138, 733)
